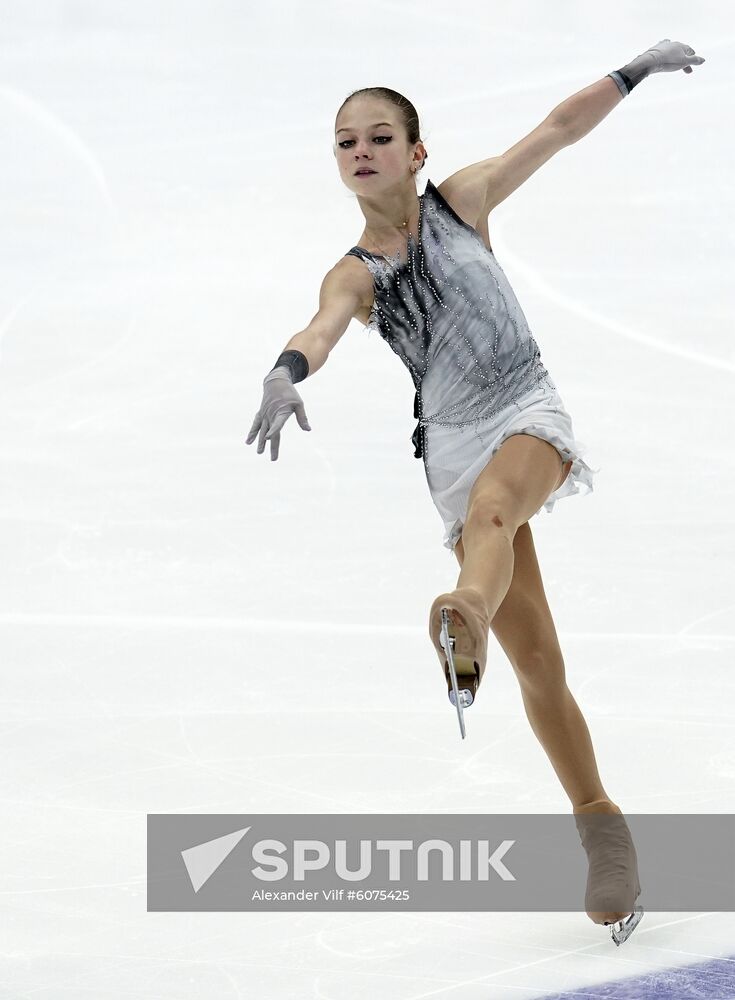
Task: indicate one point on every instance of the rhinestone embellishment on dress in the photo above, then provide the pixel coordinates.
(449, 312)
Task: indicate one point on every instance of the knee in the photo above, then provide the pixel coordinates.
(540, 669)
(492, 511)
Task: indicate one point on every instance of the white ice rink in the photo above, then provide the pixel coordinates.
(189, 627)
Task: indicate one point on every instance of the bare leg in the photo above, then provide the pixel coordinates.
(488, 564)
(524, 628)
(560, 728)
(509, 490)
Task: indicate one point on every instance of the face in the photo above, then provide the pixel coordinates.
(363, 139)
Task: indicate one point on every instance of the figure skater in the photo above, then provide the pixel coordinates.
(496, 440)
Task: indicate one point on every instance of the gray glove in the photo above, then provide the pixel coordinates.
(665, 57)
(280, 400)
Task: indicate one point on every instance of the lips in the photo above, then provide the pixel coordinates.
(360, 173)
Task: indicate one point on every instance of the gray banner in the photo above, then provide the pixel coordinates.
(356, 861)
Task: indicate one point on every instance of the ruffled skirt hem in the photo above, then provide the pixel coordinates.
(543, 417)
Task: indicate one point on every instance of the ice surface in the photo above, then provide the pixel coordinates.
(189, 627)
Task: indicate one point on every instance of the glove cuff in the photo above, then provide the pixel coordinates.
(632, 73)
(295, 363)
(624, 83)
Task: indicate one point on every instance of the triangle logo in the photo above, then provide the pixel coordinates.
(203, 860)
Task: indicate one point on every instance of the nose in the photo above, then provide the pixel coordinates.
(360, 149)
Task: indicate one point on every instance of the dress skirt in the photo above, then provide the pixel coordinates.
(455, 456)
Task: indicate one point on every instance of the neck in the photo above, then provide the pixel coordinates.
(393, 210)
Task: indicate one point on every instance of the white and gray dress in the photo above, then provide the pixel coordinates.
(448, 311)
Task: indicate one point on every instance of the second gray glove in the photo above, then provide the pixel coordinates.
(280, 400)
(665, 57)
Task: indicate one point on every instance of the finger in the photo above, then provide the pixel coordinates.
(262, 439)
(301, 417)
(254, 429)
(687, 69)
(275, 445)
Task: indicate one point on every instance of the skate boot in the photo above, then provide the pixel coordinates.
(612, 881)
(458, 626)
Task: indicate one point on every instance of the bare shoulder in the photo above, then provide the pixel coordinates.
(356, 276)
(464, 192)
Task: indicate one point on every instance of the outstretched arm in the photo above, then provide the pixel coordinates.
(582, 111)
(478, 188)
(579, 114)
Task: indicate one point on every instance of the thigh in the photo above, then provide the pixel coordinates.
(523, 624)
(520, 476)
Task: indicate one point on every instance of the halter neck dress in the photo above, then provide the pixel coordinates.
(449, 313)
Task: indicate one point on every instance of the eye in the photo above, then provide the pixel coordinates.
(343, 144)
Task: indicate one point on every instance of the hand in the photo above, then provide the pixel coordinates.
(664, 57)
(280, 400)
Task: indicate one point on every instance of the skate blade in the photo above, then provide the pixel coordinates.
(464, 669)
(460, 698)
(622, 929)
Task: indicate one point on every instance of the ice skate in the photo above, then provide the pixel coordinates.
(458, 626)
(612, 881)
